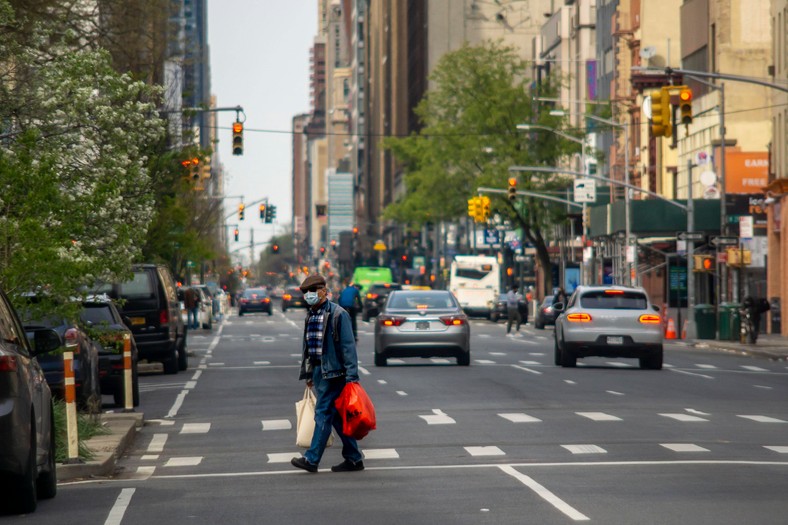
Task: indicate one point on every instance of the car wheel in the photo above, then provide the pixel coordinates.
(464, 359)
(494, 317)
(379, 360)
(183, 357)
(240, 313)
(557, 352)
(568, 359)
(171, 363)
(365, 317)
(653, 362)
(46, 485)
(26, 499)
(270, 312)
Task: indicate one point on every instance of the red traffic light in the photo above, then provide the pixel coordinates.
(237, 127)
(685, 95)
(708, 263)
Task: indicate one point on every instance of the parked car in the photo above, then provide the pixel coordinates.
(150, 301)
(545, 313)
(86, 357)
(375, 298)
(293, 298)
(27, 434)
(608, 321)
(107, 327)
(422, 324)
(255, 300)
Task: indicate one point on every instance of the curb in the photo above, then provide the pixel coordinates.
(106, 448)
(777, 353)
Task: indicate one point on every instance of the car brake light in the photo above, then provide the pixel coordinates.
(579, 318)
(266, 300)
(7, 363)
(287, 297)
(244, 300)
(548, 310)
(614, 292)
(649, 319)
(391, 320)
(454, 320)
(372, 296)
(164, 317)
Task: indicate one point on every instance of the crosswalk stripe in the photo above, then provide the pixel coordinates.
(754, 368)
(282, 457)
(683, 447)
(584, 449)
(380, 453)
(195, 428)
(438, 417)
(485, 451)
(277, 424)
(184, 462)
(686, 418)
(520, 418)
(779, 449)
(598, 416)
(764, 419)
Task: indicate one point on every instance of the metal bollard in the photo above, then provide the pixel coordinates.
(127, 375)
(70, 394)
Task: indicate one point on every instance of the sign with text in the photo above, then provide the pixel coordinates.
(746, 171)
(585, 190)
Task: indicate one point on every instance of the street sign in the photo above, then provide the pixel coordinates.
(746, 226)
(691, 236)
(585, 190)
(491, 236)
(724, 241)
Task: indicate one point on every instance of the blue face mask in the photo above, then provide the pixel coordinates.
(311, 298)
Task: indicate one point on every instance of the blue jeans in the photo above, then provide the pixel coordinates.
(326, 416)
(193, 317)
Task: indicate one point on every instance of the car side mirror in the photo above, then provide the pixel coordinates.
(655, 307)
(126, 320)
(558, 307)
(46, 340)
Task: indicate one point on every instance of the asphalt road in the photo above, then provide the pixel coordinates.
(510, 439)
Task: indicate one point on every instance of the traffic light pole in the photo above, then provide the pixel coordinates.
(691, 332)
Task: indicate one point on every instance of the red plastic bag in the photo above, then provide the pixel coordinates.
(356, 410)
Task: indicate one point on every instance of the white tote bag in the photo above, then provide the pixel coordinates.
(305, 420)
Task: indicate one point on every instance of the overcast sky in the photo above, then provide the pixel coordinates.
(260, 61)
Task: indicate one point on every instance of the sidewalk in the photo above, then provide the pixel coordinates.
(106, 448)
(771, 346)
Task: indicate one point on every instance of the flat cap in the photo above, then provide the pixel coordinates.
(312, 280)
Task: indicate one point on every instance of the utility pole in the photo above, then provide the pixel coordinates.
(690, 256)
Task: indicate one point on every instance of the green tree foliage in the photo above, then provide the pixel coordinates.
(76, 196)
(469, 139)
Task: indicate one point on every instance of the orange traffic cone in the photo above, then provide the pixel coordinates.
(684, 329)
(670, 333)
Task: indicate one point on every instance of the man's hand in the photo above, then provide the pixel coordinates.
(309, 383)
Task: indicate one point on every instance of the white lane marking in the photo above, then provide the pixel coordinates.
(697, 412)
(276, 424)
(143, 473)
(519, 417)
(438, 417)
(683, 447)
(380, 453)
(440, 360)
(396, 361)
(684, 418)
(485, 335)
(763, 387)
(498, 353)
(484, 361)
(525, 369)
(778, 448)
(149, 457)
(764, 419)
(666, 365)
(283, 457)
(190, 385)
(619, 364)
(485, 451)
(569, 382)
(267, 339)
(754, 368)
(196, 375)
(382, 382)
(545, 494)
(401, 393)
(536, 354)
(260, 363)
(157, 443)
(584, 449)
(598, 416)
(162, 422)
(177, 405)
(613, 392)
(184, 462)
(196, 428)
(529, 362)
(364, 371)
(119, 508)
(215, 364)
(691, 373)
(708, 367)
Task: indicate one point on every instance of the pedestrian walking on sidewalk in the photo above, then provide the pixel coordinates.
(329, 361)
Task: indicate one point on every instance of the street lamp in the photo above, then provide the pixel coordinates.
(582, 142)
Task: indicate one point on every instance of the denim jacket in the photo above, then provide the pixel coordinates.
(339, 353)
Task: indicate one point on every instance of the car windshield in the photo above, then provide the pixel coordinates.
(255, 293)
(421, 300)
(96, 314)
(384, 288)
(614, 300)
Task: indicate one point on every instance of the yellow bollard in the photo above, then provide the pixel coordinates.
(127, 375)
(70, 394)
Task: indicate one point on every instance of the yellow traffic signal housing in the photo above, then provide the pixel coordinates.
(685, 105)
(472, 207)
(262, 212)
(238, 138)
(241, 208)
(485, 200)
(660, 113)
(235, 234)
(738, 257)
(512, 189)
(703, 263)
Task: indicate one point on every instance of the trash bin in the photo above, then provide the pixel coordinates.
(705, 321)
(729, 321)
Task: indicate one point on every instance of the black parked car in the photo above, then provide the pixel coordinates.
(375, 298)
(86, 358)
(27, 435)
(150, 301)
(545, 313)
(106, 325)
(293, 298)
(254, 300)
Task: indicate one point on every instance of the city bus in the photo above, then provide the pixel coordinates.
(475, 281)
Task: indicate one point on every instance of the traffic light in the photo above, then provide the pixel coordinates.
(235, 233)
(660, 113)
(262, 212)
(472, 207)
(275, 248)
(685, 105)
(703, 263)
(270, 213)
(485, 207)
(512, 189)
(241, 209)
(238, 138)
(322, 250)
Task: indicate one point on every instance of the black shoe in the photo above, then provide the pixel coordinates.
(304, 464)
(348, 466)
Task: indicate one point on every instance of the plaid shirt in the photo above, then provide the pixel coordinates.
(314, 331)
